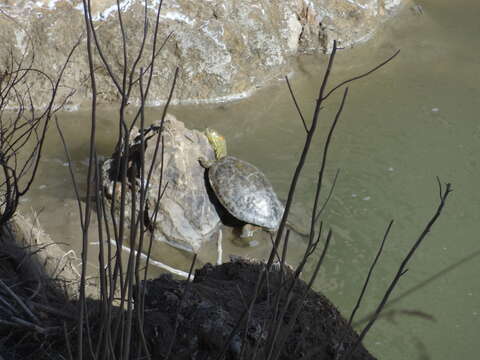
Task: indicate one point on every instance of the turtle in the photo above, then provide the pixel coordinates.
(242, 189)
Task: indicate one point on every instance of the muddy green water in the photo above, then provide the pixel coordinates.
(413, 120)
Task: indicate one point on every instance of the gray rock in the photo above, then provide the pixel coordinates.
(224, 48)
(186, 218)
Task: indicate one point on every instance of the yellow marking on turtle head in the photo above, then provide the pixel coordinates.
(217, 142)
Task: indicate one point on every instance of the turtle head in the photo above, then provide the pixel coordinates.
(217, 142)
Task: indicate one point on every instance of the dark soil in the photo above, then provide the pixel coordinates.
(191, 320)
(33, 307)
(217, 298)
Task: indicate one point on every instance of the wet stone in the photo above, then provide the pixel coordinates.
(186, 217)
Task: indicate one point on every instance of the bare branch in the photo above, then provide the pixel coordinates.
(401, 271)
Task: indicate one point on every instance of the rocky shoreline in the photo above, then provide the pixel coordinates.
(224, 49)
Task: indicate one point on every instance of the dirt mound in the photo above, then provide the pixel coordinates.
(188, 320)
(35, 293)
(217, 298)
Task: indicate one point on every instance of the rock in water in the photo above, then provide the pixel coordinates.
(186, 217)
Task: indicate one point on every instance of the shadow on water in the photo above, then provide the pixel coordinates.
(421, 285)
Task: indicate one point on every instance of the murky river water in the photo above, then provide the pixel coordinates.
(413, 120)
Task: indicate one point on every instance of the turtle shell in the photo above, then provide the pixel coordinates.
(245, 192)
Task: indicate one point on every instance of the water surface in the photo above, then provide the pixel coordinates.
(411, 121)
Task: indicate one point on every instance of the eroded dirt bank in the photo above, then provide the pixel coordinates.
(194, 320)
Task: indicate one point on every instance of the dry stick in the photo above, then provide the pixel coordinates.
(67, 341)
(257, 345)
(48, 115)
(31, 124)
(279, 315)
(89, 177)
(365, 284)
(162, 121)
(280, 288)
(258, 284)
(314, 212)
(12, 199)
(154, 48)
(143, 291)
(423, 283)
(303, 157)
(332, 188)
(88, 16)
(105, 322)
(25, 71)
(324, 161)
(299, 111)
(18, 322)
(89, 335)
(125, 61)
(152, 220)
(123, 149)
(150, 172)
(317, 109)
(50, 310)
(143, 72)
(139, 305)
(362, 75)
(289, 294)
(140, 51)
(130, 267)
(8, 308)
(149, 66)
(370, 271)
(282, 262)
(123, 156)
(155, 54)
(179, 308)
(402, 269)
(154, 262)
(293, 318)
(70, 169)
(109, 349)
(273, 247)
(19, 301)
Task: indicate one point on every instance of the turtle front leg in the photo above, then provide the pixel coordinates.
(248, 230)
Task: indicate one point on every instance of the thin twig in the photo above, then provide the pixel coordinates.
(400, 272)
(325, 203)
(362, 75)
(179, 308)
(299, 111)
(19, 302)
(370, 271)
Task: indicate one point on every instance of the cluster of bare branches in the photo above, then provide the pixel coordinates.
(23, 129)
(23, 126)
(119, 329)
